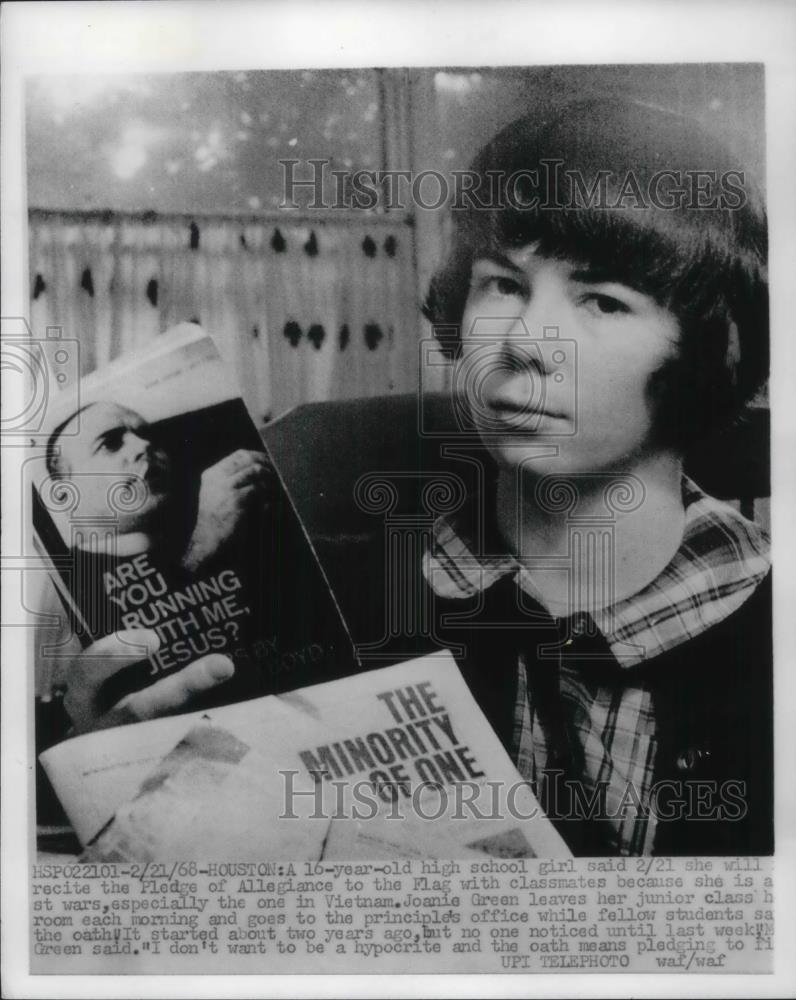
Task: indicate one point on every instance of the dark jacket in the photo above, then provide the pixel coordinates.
(713, 699)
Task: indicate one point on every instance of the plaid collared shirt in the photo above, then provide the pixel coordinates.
(720, 562)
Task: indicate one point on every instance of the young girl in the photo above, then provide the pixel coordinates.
(605, 300)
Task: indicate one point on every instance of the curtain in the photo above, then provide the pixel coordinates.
(303, 308)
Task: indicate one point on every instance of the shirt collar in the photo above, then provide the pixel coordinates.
(720, 562)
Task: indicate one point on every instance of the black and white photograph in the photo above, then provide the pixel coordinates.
(397, 462)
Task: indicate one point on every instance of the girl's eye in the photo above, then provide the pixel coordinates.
(605, 305)
(500, 284)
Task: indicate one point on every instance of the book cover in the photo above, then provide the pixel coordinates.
(157, 507)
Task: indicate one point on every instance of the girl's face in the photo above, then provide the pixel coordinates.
(556, 362)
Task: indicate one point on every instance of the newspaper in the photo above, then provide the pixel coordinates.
(282, 776)
(309, 273)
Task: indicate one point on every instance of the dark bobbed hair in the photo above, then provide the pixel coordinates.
(705, 264)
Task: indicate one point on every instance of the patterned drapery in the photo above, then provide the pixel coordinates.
(305, 308)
